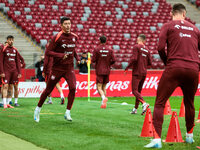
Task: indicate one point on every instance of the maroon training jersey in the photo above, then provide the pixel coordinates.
(61, 44)
(21, 60)
(9, 60)
(103, 57)
(48, 62)
(139, 60)
(182, 40)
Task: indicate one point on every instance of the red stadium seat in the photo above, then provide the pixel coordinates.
(97, 20)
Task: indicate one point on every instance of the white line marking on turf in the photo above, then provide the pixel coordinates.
(96, 101)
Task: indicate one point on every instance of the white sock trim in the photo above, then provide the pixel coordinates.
(49, 98)
(189, 135)
(62, 95)
(4, 101)
(16, 100)
(38, 108)
(134, 109)
(67, 111)
(157, 140)
(103, 97)
(8, 100)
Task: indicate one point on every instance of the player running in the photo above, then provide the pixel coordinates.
(62, 49)
(48, 62)
(182, 70)
(103, 57)
(10, 68)
(139, 62)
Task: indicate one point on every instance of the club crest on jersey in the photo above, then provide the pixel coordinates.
(14, 51)
(73, 39)
(53, 77)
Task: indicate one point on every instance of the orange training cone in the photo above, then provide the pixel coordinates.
(174, 132)
(198, 121)
(147, 129)
(182, 110)
(167, 110)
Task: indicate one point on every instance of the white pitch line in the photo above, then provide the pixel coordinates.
(95, 101)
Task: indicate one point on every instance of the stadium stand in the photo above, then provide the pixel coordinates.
(195, 2)
(120, 20)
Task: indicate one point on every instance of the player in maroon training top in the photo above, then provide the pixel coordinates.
(182, 70)
(139, 62)
(103, 57)
(48, 62)
(10, 68)
(62, 49)
(10, 88)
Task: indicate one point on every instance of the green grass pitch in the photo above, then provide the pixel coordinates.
(92, 128)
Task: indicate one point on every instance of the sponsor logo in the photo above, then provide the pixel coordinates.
(111, 86)
(9, 54)
(11, 59)
(185, 35)
(151, 83)
(144, 55)
(68, 52)
(184, 27)
(68, 45)
(104, 51)
(142, 49)
(187, 28)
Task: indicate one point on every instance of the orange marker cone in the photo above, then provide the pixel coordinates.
(182, 110)
(147, 129)
(198, 121)
(167, 110)
(174, 132)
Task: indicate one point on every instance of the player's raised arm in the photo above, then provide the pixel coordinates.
(51, 48)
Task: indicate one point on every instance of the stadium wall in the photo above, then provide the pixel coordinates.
(119, 86)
